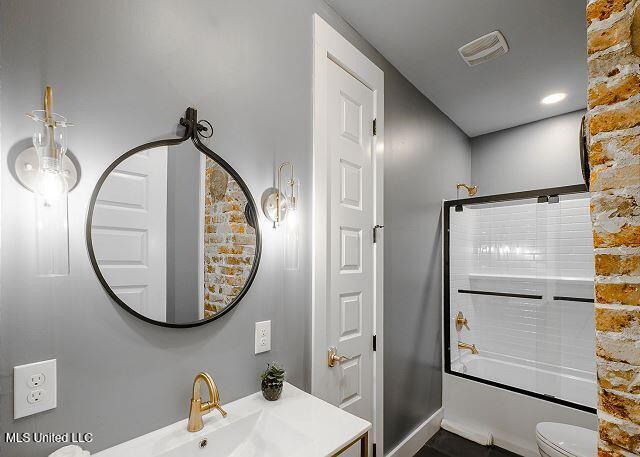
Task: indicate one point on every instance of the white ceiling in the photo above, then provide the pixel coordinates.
(547, 41)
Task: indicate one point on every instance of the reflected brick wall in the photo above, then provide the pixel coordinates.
(229, 241)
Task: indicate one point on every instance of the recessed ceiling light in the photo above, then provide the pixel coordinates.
(553, 98)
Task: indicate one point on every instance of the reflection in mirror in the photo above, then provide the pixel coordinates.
(229, 239)
(170, 234)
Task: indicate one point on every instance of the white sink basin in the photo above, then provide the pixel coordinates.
(296, 425)
(258, 434)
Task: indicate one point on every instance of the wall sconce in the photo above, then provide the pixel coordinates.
(280, 206)
(49, 174)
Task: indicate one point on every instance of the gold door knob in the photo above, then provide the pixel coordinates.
(333, 357)
(461, 321)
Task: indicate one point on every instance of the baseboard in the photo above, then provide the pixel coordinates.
(419, 437)
(480, 436)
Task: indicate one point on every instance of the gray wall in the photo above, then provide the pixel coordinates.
(532, 156)
(183, 232)
(425, 156)
(124, 72)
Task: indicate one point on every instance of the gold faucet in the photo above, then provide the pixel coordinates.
(471, 347)
(198, 408)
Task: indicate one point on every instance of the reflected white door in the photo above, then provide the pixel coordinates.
(350, 278)
(129, 231)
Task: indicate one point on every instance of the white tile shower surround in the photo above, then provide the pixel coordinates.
(528, 248)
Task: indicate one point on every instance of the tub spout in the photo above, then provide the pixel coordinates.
(471, 347)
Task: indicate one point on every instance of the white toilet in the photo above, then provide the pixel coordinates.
(563, 440)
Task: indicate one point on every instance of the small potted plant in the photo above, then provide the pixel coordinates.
(272, 381)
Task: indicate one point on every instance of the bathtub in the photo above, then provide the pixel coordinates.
(575, 386)
(511, 417)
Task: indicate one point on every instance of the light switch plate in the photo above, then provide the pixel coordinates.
(34, 388)
(263, 336)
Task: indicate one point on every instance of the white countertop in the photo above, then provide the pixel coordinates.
(308, 427)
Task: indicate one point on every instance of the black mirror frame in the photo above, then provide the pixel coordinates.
(193, 129)
(584, 153)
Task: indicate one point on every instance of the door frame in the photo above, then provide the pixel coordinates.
(328, 44)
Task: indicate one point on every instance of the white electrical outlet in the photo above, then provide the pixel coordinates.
(35, 396)
(263, 337)
(36, 380)
(34, 388)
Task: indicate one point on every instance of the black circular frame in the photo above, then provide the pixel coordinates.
(192, 131)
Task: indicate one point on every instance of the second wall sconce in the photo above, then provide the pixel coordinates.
(280, 206)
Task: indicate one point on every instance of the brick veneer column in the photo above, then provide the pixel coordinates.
(614, 155)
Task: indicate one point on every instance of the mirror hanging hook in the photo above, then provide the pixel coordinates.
(203, 128)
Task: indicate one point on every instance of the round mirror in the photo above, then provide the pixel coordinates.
(172, 234)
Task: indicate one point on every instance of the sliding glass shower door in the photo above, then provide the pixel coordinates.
(519, 294)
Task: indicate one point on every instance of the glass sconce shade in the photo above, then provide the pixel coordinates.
(49, 135)
(52, 230)
(51, 190)
(292, 227)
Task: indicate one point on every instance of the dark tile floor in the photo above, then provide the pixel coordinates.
(446, 444)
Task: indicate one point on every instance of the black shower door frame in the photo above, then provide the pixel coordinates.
(543, 195)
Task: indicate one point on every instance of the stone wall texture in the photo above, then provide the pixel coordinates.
(613, 45)
(229, 241)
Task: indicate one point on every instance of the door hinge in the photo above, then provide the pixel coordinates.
(375, 232)
(374, 450)
(375, 127)
(374, 343)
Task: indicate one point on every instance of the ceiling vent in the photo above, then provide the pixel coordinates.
(483, 49)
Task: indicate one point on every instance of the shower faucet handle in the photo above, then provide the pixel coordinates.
(461, 321)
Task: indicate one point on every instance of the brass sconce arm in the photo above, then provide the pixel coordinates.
(279, 194)
(274, 202)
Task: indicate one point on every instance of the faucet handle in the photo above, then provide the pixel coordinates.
(209, 405)
(219, 408)
(461, 321)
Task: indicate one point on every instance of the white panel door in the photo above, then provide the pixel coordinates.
(350, 287)
(129, 231)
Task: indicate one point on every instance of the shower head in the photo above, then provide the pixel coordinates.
(471, 190)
